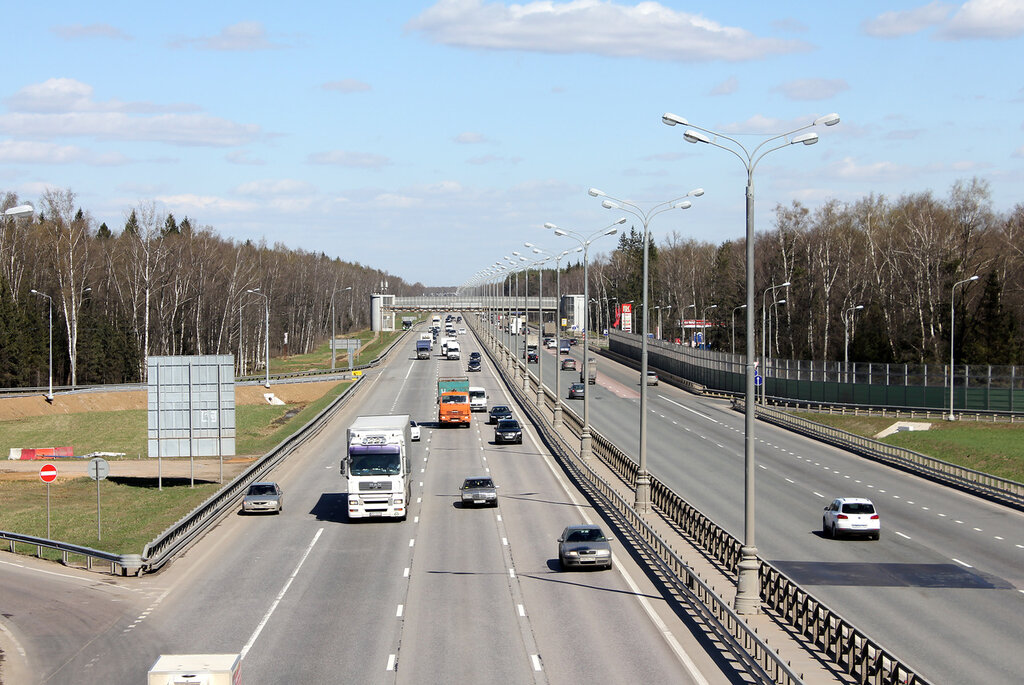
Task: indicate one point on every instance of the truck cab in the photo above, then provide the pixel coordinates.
(454, 351)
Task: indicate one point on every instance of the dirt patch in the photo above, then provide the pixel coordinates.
(88, 401)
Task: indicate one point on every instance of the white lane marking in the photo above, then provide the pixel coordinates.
(535, 658)
(902, 535)
(415, 519)
(522, 609)
(504, 542)
(694, 411)
(511, 573)
(412, 541)
(405, 573)
(280, 595)
(401, 608)
(789, 481)
(962, 563)
(819, 494)
(998, 537)
(17, 645)
(391, 663)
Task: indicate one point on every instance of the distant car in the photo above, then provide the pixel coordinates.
(498, 412)
(262, 497)
(574, 341)
(652, 378)
(851, 516)
(479, 490)
(458, 319)
(474, 365)
(568, 364)
(584, 546)
(508, 430)
(474, 355)
(576, 391)
(550, 343)
(414, 430)
(462, 331)
(531, 358)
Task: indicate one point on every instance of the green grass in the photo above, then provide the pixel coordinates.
(320, 358)
(133, 510)
(994, 448)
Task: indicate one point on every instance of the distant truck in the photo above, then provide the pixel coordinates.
(453, 406)
(532, 343)
(407, 322)
(208, 669)
(423, 349)
(563, 346)
(429, 337)
(444, 345)
(591, 371)
(376, 465)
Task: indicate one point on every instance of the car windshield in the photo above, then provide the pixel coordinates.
(508, 424)
(262, 489)
(478, 483)
(586, 535)
(500, 409)
(455, 399)
(858, 508)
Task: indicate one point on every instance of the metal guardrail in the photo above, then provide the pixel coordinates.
(754, 658)
(178, 536)
(850, 649)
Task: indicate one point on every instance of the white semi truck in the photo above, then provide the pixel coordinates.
(376, 465)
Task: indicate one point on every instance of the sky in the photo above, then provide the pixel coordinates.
(431, 139)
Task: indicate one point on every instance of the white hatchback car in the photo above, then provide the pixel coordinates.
(414, 430)
(851, 516)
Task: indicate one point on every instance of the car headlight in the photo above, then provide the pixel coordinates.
(603, 553)
(353, 500)
(572, 553)
(398, 501)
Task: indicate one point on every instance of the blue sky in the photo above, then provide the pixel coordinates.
(430, 139)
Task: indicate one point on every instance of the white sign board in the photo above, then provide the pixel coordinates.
(192, 406)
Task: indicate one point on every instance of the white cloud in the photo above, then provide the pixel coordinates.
(189, 203)
(470, 138)
(33, 152)
(362, 160)
(813, 88)
(69, 95)
(242, 157)
(269, 187)
(244, 36)
(760, 125)
(849, 169)
(648, 30)
(176, 129)
(986, 19)
(902, 23)
(348, 85)
(726, 87)
(1019, 152)
(75, 31)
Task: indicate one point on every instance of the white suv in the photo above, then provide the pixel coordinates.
(851, 516)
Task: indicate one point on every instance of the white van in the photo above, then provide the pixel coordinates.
(453, 350)
(477, 399)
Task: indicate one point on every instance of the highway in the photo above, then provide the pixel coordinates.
(450, 595)
(942, 588)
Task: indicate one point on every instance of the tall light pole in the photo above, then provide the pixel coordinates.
(952, 320)
(266, 324)
(642, 500)
(773, 305)
(610, 229)
(748, 595)
(556, 418)
(704, 323)
(847, 318)
(764, 361)
(334, 318)
(49, 301)
(733, 348)
(682, 320)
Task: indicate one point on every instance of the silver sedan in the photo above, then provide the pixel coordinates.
(263, 497)
(584, 546)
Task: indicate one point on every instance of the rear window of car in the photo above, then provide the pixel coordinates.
(858, 508)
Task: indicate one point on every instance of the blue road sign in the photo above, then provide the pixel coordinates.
(757, 379)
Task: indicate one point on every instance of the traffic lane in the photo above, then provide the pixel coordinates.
(74, 626)
(459, 620)
(570, 612)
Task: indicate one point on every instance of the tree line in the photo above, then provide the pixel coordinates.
(873, 279)
(159, 286)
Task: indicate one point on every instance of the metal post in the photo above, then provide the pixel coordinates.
(952, 321)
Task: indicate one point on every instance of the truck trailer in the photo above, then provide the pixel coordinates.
(453, 406)
(376, 465)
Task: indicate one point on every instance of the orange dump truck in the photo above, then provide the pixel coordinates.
(453, 406)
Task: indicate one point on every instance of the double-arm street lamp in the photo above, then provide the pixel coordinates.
(266, 325)
(49, 300)
(334, 342)
(748, 598)
(733, 318)
(952, 320)
(642, 500)
(659, 307)
(584, 242)
(704, 324)
(556, 419)
(847, 318)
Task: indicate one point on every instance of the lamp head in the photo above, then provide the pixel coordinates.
(549, 225)
(608, 204)
(805, 138)
(973, 278)
(860, 306)
(829, 119)
(611, 231)
(559, 231)
(670, 119)
(621, 220)
(594, 192)
(696, 192)
(21, 211)
(685, 204)
(692, 136)
(787, 283)
(712, 306)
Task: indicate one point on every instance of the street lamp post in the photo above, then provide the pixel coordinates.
(642, 501)
(952, 320)
(266, 324)
(769, 336)
(49, 301)
(556, 416)
(610, 229)
(333, 319)
(847, 318)
(660, 335)
(704, 323)
(764, 362)
(748, 598)
(733, 348)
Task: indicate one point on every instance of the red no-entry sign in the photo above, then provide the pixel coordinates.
(48, 473)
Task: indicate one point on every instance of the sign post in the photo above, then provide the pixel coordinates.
(99, 469)
(48, 473)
